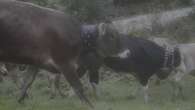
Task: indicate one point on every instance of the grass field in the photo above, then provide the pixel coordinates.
(115, 95)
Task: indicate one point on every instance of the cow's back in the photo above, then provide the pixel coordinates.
(29, 30)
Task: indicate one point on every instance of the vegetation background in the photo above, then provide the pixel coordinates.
(116, 91)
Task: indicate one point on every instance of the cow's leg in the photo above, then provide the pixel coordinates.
(69, 71)
(51, 80)
(135, 91)
(57, 85)
(176, 83)
(145, 92)
(13, 70)
(157, 80)
(177, 90)
(3, 69)
(81, 71)
(28, 80)
(1, 78)
(144, 83)
(14, 76)
(94, 80)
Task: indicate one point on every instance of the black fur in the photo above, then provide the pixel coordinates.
(145, 58)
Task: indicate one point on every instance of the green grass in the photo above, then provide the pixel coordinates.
(115, 95)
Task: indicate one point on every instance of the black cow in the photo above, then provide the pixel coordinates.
(141, 57)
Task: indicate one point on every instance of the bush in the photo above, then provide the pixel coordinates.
(86, 10)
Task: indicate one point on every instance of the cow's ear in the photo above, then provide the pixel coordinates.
(102, 29)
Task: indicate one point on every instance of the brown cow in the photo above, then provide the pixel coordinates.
(86, 59)
(48, 39)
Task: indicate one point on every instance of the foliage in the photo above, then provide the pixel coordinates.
(55, 4)
(95, 10)
(86, 10)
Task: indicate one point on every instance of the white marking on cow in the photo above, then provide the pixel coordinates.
(124, 54)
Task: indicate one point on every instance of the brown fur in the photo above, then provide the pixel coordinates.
(42, 37)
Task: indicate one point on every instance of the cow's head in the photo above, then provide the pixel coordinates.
(108, 41)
